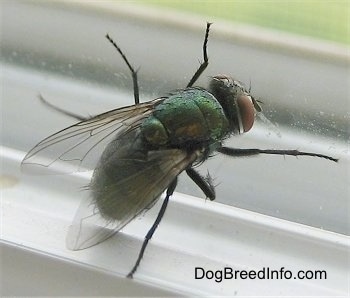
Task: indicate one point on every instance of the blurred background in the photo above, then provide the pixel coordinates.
(325, 20)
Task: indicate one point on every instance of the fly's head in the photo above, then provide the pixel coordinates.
(239, 106)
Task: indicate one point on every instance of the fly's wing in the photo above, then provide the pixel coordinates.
(78, 147)
(139, 184)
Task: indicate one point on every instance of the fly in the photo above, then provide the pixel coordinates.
(138, 151)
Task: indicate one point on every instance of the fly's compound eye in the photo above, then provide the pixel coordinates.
(245, 113)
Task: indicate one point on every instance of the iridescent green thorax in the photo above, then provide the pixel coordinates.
(189, 116)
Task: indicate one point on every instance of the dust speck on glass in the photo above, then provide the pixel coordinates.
(142, 148)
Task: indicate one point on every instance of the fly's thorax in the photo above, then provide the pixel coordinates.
(187, 116)
(154, 132)
(236, 101)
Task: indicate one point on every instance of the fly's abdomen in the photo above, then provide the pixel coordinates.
(123, 181)
(188, 116)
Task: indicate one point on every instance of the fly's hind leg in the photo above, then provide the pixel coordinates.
(151, 231)
(62, 111)
(134, 79)
(132, 70)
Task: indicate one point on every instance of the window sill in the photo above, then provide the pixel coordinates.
(193, 233)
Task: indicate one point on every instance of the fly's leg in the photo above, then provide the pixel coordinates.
(150, 233)
(205, 63)
(134, 79)
(236, 152)
(133, 72)
(204, 183)
(67, 113)
(195, 77)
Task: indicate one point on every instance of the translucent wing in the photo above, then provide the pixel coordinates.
(78, 147)
(122, 187)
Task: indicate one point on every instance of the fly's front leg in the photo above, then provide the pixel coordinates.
(236, 152)
(205, 62)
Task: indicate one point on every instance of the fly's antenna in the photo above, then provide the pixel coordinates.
(256, 102)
